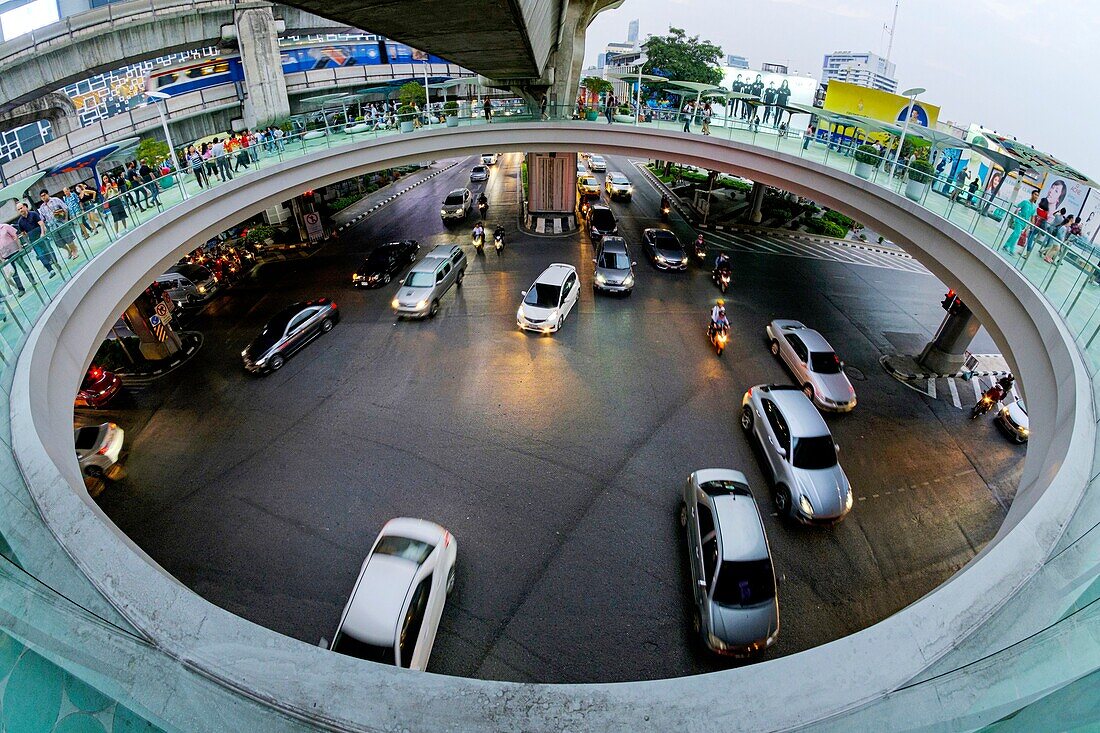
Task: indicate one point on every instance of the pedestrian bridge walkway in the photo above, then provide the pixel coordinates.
(1014, 632)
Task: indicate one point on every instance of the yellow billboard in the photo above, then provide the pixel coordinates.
(851, 99)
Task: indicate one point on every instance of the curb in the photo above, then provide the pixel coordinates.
(383, 202)
(136, 378)
(906, 376)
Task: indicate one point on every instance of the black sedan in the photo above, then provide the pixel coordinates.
(602, 222)
(384, 262)
(289, 330)
(664, 250)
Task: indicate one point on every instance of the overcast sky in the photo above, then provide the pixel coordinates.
(1022, 67)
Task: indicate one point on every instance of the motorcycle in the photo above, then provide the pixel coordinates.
(721, 278)
(586, 207)
(719, 337)
(699, 249)
(984, 405)
(498, 240)
(482, 207)
(478, 240)
(666, 209)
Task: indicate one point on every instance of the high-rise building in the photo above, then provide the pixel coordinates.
(737, 62)
(632, 32)
(860, 67)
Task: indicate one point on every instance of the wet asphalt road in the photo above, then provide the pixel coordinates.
(555, 461)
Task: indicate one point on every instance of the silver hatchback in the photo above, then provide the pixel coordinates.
(614, 268)
(799, 452)
(732, 577)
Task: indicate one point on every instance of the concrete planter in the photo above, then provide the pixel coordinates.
(452, 121)
(864, 170)
(360, 127)
(625, 118)
(313, 135)
(591, 115)
(914, 190)
(407, 126)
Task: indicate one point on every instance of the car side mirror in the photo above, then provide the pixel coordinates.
(633, 264)
(593, 261)
(523, 293)
(781, 451)
(836, 446)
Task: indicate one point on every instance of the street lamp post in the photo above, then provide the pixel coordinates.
(912, 94)
(159, 97)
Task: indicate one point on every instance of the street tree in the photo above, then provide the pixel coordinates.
(679, 58)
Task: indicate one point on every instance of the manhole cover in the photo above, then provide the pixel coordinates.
(855, 373)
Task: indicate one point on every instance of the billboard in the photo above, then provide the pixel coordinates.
(787, 88)
(852, 99)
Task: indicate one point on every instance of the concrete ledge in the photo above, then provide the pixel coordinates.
(310, 684)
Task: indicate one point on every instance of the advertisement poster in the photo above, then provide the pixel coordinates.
(851, 99)
(947, 162)
(786, 87)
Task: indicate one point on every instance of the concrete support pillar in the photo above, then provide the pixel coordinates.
(55, 107)
(757, 198)
(265, 97)
(946, 353)
(563, 74)
(152, 347)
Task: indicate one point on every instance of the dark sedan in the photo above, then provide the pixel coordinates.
(664, 250)
(601, 222)
(289, 330)
(384, 262)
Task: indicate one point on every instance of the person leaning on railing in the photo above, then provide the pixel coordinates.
(10, 247)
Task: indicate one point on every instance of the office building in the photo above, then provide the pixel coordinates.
(860, 67)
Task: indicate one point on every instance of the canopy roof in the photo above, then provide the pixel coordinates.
(18, 190)
(94, 157)
(651, 78)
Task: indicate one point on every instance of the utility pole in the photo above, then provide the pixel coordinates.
(890, 30)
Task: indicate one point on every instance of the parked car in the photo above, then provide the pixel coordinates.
(597, 162)
(799, 453)
(815, 366)
(395, 606)
(618, 186)
(602, 222)
(548, 301)
(98, 388)
(456, 207)
(489, 158)
(588, 185)
(98, 447)
(288, 331)
(614, 269)
(664, 250)
(385, 261)
(1013, 419)
(479, 173)
(428, 281)
(736, 604)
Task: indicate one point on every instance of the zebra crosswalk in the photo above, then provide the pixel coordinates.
(854, 253)
(958, 389)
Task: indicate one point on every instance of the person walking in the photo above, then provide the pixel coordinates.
(53, 212)
(218, 152)
(488, 107)
(960, 184)
(806, 138)
(72, 205)
(1039, 228)
(687, 112)
(117, 206)
(1025, 212)
(89, 200)
(194, 159)
(10, 247)
(706, 118)
(148, 178)
(609, 108)
(542, 107)
(244, 158)
(31, 225)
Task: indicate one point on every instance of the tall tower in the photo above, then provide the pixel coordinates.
(632, 32)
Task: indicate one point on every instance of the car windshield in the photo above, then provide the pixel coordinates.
(666, 241)
(745, 583)
(603, 219)
(543, 296)
(824, 362)
(403, 547)
(380, 255)
(419, 280)
(614, 261)
(614, 178)
(352, 647)
(814, 453)
(454, 199)
(86, 438)
(589, 181)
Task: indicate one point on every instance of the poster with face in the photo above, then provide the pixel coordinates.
(1090, 215)
(796, 89)
(916, 114)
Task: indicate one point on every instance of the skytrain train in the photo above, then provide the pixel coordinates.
(205, 73)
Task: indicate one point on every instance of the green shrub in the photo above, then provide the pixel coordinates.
(834, 230)
(405, 112)
(257, 234)
(451, 108)
(151, 150)
(839, 219)
(410, 93)
(920, 171)
(343, 202)
(867, 154)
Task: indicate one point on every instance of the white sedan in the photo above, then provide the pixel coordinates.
(815, 366)
(98, 447)
(395, 607)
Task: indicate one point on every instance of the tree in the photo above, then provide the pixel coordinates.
(411, 92)
(152, 150)
(680, 58)
(596, 85)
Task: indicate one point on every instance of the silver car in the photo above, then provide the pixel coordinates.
(618, 186)
(428, 281)
(814, 364)
(799, 452)
(479, 173)
(457, 205)
(1013, 418)
(614, 268)
(732, 578)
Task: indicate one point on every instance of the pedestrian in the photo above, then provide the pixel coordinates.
(10, 247)
(243, 156)
(706, 118)
(807, 137)
(48, 206)
(72, 205)
(117, 206)
(1025, 212)
(62, 230)
(1038, 229)
(209, 164)
(148, 179)
(542, 107)
(31, 225)
(89, 200)
(609, 108)
(972, 199)
(221, 156)
(1058, 234)
(488, 106)
(687, 112)
(194, 159)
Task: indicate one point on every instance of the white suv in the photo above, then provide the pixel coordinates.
(549, 299)
(394, 610)
(98, 447)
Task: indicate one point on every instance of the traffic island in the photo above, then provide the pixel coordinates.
(904, 368)
(142, 369)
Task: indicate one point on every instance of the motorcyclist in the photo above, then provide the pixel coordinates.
(666, 203)
(721, 262)
(1000, 390)
(699, 243)
(498, 233)
(718, 316)
(479, 232)
(482, 200)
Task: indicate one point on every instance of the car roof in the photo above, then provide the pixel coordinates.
(480, 165)
(414, 529)
(803, 419)
(814, 340)
(600, 207)
(442, 250)
(588, 176)
(596, 155)
(376, 604)
(428, 264)
(614, 175)
(656, 231)
(458, 191)
(738, 520)
(555, 274)
(613, 244)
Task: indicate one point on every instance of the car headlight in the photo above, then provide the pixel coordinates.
(628, 280)
(442, 212)
(395, 303)
(600, 278)
(244, 354)
(519, 313)
(1004, 412)
(202, 288)
(422, 304)
(1025, 432)
(356, 276)
(807, 507)
(848, 501)
(552, 315)
(661, 257)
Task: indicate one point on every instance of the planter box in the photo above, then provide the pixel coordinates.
(914, 191)
(591, 115)
(624, 118)
(452, 121)
(864, 170)
(407, 126)
(313, 135)
(360, 127)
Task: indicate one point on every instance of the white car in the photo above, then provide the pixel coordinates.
(98, 447)
(1013, 418)
(618, 186)
(456, 205)
(394, 610)
(549, 299)
(814, 364)
(489, 158)
(479, 173)
(597, 163)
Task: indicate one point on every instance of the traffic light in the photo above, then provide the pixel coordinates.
(952, 303)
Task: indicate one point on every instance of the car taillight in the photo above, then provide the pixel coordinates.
(95, 372)
(102, 451)
(334, 306)
(446, 538)
(750, 392)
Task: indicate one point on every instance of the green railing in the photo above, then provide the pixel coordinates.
(1056, 610)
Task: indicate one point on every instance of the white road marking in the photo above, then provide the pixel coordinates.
(954, 393)
(977, 383)
(932, 388)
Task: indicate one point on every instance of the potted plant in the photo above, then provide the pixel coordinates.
(451, 110)
(595, 86)
(405, 114)
(920, 174)
(623, 114)
(866, 159)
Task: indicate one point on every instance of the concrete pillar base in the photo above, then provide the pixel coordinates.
(946, 353)
(756, 196)
(940, 362)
